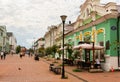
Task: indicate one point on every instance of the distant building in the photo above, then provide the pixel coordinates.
(54, 34)
(50, 36)
(12, 42)
(39, 44)
(4, 44)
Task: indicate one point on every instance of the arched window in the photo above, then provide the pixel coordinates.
(87, 12)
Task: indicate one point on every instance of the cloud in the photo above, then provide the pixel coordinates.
(30, 18)
(106, 1)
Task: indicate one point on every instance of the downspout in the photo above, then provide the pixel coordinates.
(118, 46)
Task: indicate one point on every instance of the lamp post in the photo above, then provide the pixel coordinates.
(63, 17)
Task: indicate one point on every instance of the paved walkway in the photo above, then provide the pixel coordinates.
(14, 69)
(85, 76)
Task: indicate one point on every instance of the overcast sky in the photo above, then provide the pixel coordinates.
(29, 19)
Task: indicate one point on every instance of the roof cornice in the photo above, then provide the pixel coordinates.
(100, 20)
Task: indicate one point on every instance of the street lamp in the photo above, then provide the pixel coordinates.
(63, 17)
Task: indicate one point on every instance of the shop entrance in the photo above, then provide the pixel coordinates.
(87, 55)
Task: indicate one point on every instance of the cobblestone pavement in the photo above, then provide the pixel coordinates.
(15, 69)
(85, 76)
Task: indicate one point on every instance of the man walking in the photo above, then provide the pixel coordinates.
(4, 55)
(1, 54)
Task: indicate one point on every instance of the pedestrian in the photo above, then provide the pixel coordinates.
(4, 55)
(97, 63)
(36, 57)
(21, 55)
(29, 54)
(1, 54)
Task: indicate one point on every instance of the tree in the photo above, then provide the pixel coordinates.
(18, 48)
(41, 51)
(48, 51)
(31, 50)
(54, 49)
(69, 50)
(59, 52)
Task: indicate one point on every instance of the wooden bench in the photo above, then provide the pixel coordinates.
(51, 67)
(55, 69)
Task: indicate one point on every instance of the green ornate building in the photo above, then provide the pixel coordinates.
(98, 24)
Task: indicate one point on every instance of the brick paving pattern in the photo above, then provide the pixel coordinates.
(15, 69)
(85, 76)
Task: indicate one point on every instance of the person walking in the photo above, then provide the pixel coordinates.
(21, 54)
(97, 63)
(1, 54)
(4, 55)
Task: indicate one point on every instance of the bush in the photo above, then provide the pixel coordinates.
(77, 70)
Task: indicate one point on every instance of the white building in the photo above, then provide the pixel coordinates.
(12, 42)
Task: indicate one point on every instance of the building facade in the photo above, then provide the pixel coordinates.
(4, 44)
(50, 36)
(39, 44)
(98, 23)
(12, 42)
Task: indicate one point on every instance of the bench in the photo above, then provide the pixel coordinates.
(69, 62)
(51, 67)
(55, 69)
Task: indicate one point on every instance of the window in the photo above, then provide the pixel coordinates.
(1, 33)
(100, 53)
(87, 12)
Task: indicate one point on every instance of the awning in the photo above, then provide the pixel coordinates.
(88, 46)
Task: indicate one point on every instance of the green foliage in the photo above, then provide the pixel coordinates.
(18, 48)
(41, 51)
(54, 49)
(51, 50)
(59, 52)
(77, 70)
(31, 50)
(69, 50)
(48, 50)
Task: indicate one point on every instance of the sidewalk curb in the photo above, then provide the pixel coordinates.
(70, 73)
